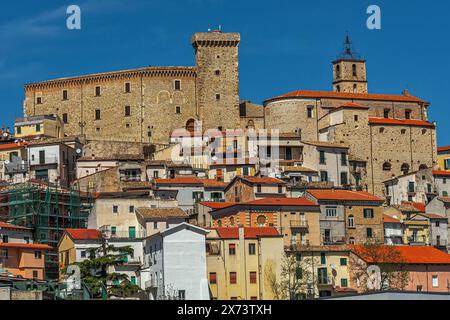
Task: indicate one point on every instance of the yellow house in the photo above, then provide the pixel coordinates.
(326, 268)
(238, 260)
(39, 126)
(74, 246)
(443, 158)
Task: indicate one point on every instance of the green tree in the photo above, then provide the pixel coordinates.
(96, 271)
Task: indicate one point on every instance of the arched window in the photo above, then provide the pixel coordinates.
(444, 193)
(351, 221)
(338, 88)
(338, 71)
(405, 168)
(232, 221)
(423, 167)
(219, 223)
(190, 125)
(261, 221)
(354, 88)
(250, 124)
(354, 70)
(387, 166)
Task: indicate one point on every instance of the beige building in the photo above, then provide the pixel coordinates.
(238, 260)
(42, 126)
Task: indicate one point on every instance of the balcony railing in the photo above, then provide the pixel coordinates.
(333, 240)
(299, 224)
(416, 242)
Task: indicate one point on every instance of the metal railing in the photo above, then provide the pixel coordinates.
(299, 224)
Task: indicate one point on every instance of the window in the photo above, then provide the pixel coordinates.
(331, 212)
(261, 221)
(38, 255)
(65, 118)
(38, 128)
(4, 253)
(26, 239)
(343, 159)
(39, 100)
(280, 189)
(98, 91)
(83, 253)
(5, 239)
(251, 249)
(343, 261)
(386, 113)
(252, 277)
(354, 70)
(323, 176)
(181, 294)
(298, 273)
(65, 95)
(177, 109)
(19, 130)
(310, 110)
(127, 87)
(351, 222)
(438, 224)
(323, 258)
(387, 166)
(355, 87)
(435, 281)
(217, 96)
(344, 283)
(369, 232)
(232, 249)
(322, 158)
(127, 111)
(444, 193)
(411, 187)
(368, 213)
(155, 225)
(258, 188)
(97, 114)
(355, 117)
(344, 178)
(115, 209)
(212, 278)
(177, 85)
(408, 114)
(113, 230)
(35, 274)
(447, 164)
(405, 168)
(131, 209)
(351, 240)
(338, 71)
(217, 72)
(338, 88)
(233, 278)
(133, 280)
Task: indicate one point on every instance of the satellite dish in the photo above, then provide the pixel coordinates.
(5, 135)
(78, 151)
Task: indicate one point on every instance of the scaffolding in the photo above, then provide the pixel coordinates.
(48, 211)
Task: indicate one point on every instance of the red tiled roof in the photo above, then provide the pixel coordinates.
(25, 246)
(249, 233)
(417, 205)
(262, 180)
(282, 202)
(401, 122)
(11, 226)
(179, 180)
(443, 149)
(389, 219)
(217, 205)
(345, 95)
(350, 105)
(433, 216)
(343, 195)
(210, 183)
(441, 173)
(408, 254)
(12, 145)
(84, 234)
(445, 199)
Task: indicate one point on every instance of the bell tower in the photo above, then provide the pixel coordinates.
(349, 71)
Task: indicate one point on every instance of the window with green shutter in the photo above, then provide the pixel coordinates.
(323, 259)
(322, 159)
(368, 213)
(344, 283)
(299, 273)
(343, 261)
(133, 280)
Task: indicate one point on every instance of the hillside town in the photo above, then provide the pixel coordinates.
(163, 183)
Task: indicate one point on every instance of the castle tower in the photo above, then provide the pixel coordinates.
(217, 86)
(349, 71)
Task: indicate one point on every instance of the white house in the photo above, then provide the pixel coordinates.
(393, 230)
(175, 264)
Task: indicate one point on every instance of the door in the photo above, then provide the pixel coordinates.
(288, 153)
(42, 157)
(132, 232)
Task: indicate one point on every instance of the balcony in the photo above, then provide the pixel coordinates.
(298, 224)
(333, 240)
(325, 281)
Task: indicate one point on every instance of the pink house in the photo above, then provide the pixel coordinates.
(428, 268)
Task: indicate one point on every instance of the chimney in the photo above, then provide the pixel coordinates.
(406, 93)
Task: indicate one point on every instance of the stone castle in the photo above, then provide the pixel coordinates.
(388, 135)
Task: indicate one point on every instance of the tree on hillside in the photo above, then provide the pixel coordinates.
(95, 271)
(376, 267)
(295, 279)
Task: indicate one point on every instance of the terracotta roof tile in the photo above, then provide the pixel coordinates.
(443, 149)
(441, 173)
(217, 205)
(262, 180)
(350, 105)
(12, 145)
(179, 180)
(282, 202)
(210, 183)
(345, 95)
(161, 213)
(84, 234)
(408, 254)
(401, 122)
(25, 245)
(343, 195)
(389, 219)
(11, 226)
(249, 233)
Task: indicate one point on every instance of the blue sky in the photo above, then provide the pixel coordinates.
(285, 45)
